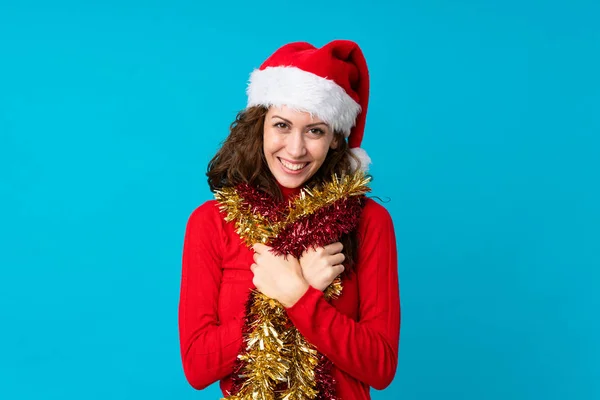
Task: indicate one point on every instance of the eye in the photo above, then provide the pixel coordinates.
(317, 131)
(281, 125)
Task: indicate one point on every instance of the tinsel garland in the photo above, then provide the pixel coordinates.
(276, 361)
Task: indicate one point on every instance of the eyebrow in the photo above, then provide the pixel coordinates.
(309, 125)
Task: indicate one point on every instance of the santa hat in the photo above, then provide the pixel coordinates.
(331, 82)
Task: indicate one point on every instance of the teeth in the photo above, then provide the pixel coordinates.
(293, 167)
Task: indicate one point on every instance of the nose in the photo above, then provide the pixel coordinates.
(295, 145)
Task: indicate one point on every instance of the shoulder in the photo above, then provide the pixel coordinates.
(209, 208)
(373, 211)
(374, 218)
(204, 230)
(207, 213)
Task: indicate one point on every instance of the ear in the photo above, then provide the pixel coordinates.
(335, 142)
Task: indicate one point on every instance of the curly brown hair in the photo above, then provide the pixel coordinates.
(241, 160)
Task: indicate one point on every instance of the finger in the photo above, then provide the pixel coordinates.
(336, 259)
(255, 257)
(337, 269)
(260, 248)
(253, 267)
(334, 248)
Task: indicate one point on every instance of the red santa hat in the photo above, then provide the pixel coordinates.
(331, 82)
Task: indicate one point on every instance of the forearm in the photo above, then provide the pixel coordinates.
(366, 351)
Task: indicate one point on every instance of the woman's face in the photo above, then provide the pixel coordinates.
(295, 145)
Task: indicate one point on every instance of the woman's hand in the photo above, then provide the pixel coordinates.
(278, 277)
(322, 265)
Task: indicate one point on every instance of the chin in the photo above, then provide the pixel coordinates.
(291, 183)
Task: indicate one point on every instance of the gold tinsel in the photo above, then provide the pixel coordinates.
(276, 353)
(254, 228)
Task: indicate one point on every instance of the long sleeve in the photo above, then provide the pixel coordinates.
(208, 346)
(366, 349)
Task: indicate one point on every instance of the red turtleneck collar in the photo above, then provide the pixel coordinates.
(287, 192)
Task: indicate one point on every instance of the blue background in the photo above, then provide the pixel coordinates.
(484, 131)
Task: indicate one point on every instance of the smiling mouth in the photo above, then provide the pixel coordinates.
(293, 166)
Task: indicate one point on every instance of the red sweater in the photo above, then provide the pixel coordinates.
(359, 332)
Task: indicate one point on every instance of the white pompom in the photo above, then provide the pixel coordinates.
(364, 158)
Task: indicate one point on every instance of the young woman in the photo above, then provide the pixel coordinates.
(289, 284)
